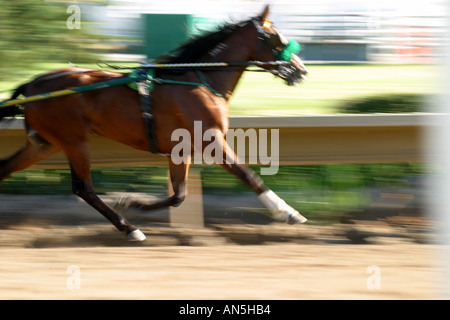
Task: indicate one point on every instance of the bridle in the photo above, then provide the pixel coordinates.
(285, 70)
(282, 67)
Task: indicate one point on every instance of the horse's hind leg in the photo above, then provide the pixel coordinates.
(82, 187)
(36, 149)
(178, 177)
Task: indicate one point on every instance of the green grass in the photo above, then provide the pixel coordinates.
(151, 180)
(324, 193)
(328, 88)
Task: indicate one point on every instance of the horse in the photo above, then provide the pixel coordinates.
(65, 123)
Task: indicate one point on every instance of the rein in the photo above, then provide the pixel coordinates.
(195, 65)
(198, 67)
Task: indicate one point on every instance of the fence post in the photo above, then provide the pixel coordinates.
(190, 212)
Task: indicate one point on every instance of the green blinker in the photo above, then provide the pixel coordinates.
(293, 47)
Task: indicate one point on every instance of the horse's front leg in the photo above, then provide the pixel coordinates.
(274, 203)
(178, 177)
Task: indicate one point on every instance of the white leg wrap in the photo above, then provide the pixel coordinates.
(136, 235)
(279, 207)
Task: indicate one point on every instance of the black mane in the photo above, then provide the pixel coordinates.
(194, 48)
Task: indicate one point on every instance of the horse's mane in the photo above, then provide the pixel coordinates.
(195, 47)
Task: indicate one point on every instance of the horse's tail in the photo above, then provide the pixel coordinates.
(12, 111)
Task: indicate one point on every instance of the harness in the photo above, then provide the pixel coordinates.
(145, 85)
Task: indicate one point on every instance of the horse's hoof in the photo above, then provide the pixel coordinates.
(280, 209)
(136, 235)
(296, 219)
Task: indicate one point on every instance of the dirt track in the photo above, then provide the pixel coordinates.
(283, 271)
(223, 261)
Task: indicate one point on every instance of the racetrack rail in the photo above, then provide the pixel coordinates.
(303, 140)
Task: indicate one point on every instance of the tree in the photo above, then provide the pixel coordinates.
(36, 31)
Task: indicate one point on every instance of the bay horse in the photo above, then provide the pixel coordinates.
(65, 123)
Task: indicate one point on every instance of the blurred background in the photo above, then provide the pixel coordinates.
(366, 58)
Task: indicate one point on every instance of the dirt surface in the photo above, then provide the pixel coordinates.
(45, 256)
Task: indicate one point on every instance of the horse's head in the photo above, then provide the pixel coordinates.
(272, 45)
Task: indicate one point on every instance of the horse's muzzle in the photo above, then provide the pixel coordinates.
(293, 73)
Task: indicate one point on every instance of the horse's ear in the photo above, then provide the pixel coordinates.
(265, 13)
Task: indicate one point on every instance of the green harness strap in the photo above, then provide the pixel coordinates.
(151, 80)
(136, 73)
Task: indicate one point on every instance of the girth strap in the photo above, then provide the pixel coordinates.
(146, 108)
